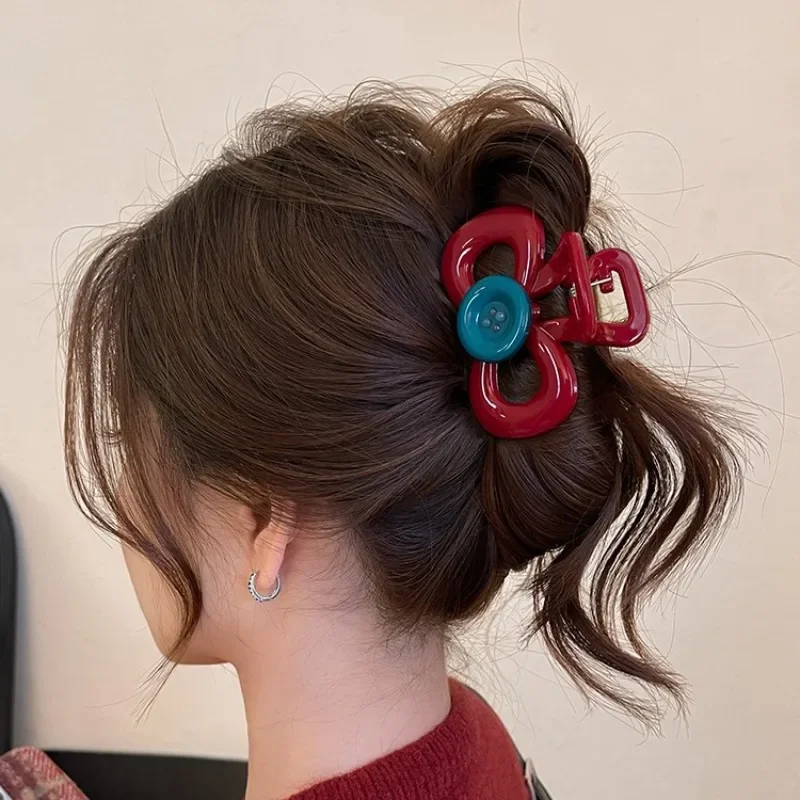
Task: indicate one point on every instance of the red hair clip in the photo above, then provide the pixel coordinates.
(497, 315)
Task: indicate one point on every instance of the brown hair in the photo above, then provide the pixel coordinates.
(279, 329)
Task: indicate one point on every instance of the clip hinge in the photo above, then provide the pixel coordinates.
(606, 285)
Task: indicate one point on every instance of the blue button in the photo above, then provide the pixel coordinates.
(494, 318)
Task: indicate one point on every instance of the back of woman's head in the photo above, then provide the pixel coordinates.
(278, 331)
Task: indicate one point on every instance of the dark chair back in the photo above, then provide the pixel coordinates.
(8, 612)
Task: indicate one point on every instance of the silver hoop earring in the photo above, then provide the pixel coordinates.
(263, 598)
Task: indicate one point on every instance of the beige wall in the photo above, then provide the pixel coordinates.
(715, 82)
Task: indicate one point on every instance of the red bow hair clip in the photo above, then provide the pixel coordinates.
(499, 315)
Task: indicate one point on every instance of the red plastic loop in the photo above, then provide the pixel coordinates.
(514, 226)
(548, 408)
(632, 330)
(582, 325)
(569, 267)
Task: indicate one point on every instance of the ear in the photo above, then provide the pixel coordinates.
(272, 533)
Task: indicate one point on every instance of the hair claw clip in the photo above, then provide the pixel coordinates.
(497, 315)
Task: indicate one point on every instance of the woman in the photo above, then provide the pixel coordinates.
(328, 404)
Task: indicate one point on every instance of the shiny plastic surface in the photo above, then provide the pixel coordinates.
(514, 226)
(494, 318)
(569, 268)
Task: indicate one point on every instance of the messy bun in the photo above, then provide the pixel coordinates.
(283, 317)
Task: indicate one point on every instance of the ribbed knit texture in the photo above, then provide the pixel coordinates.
(469, 756)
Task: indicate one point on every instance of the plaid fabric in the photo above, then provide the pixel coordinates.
(28, 774)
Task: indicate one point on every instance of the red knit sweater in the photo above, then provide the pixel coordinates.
(469, 756)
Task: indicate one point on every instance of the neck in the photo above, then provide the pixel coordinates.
(336, 703)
